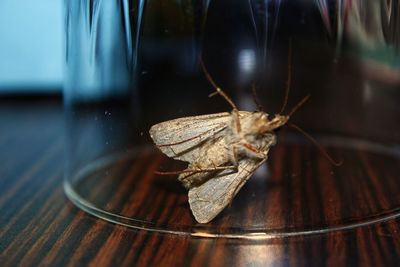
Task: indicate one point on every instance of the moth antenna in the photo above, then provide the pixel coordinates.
(289, 78)
(216, 87)
(255, 98)
(295, 108)
(318, 145)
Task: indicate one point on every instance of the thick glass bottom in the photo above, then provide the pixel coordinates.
(296, 192)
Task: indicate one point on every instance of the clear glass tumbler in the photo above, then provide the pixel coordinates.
(131, 64)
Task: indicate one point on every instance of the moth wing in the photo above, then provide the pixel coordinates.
(210, 198)
(181, 138)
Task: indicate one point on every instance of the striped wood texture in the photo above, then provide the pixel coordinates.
(39, 226)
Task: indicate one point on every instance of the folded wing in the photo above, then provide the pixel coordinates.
(211, 197)
(181, 138)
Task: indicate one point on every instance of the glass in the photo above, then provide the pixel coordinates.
(132, 64)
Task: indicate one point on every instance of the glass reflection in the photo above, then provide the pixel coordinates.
(101, 48)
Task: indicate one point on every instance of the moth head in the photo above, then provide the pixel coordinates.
(276, 122)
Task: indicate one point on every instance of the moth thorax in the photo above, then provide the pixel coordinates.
(252, 124)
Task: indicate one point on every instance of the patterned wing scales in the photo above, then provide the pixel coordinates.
(211, 197)
(181, 138)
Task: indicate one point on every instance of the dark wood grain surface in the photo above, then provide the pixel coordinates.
(39, 226)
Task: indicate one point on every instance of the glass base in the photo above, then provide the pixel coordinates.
(296, 192)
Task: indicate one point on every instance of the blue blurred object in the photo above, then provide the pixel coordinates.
(102, 39)
(31, 43)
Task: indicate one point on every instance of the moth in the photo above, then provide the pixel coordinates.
(223, 151)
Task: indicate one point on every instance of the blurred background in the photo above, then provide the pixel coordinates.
(140, 59)
(31, 43)
(32, 34)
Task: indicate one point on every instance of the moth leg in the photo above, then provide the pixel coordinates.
(235, 110)
(196, 170)
(219, 91)
(237, 125)
(255, 98)
(233, 157)
(253, 151)
(216, 87)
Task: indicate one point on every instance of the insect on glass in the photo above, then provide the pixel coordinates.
(223, 150)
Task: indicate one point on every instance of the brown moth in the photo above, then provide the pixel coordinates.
(223, 151)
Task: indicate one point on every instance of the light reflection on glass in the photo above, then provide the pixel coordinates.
(247, 61)
(261, 254)
(100, 56)
(370, 29)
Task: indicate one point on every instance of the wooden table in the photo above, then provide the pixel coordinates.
(40, 226)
